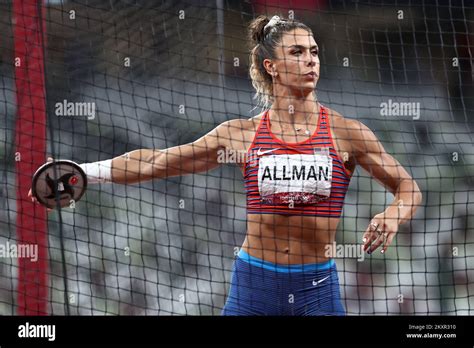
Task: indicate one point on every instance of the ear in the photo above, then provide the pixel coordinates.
(269, 67)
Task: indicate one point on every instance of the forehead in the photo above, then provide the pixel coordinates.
(297, 37)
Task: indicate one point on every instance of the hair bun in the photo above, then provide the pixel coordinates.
(274, 21)
(256, 31)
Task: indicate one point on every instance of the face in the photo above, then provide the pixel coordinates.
(297, 62)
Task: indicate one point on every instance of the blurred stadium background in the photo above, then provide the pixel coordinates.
(167, 247)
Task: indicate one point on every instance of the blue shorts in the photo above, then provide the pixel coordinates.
(259, 287)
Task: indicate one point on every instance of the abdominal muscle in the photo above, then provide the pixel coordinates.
(284, 239)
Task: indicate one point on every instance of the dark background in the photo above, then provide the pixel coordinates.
(180, 257)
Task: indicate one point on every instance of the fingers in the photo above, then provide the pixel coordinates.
(50, 159)
(366, 236)
(379, 239)
(369, 239)
(373, 240)
(369, 236)
(374, 237)
(387, 242)
(33, 198)
(30, 192)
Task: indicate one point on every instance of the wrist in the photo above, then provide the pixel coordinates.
(98, 172)
(393, 213)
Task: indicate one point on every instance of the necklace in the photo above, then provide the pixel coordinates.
(299, 129)
(306, 131)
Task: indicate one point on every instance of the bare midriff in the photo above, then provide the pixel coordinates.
(284, 239)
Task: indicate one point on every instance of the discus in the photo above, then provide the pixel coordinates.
(60, 180)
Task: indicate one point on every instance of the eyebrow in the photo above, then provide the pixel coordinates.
(302, 47)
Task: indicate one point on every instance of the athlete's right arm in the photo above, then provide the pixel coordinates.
(146, 164)
(198, 156)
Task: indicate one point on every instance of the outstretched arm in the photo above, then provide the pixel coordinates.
(384, 168)
(146, 164)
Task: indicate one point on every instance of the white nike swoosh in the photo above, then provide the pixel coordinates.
(319, 281)
(260, 152)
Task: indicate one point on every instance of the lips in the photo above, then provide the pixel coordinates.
(311, 75)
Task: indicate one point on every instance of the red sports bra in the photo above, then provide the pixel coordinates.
(303, 178)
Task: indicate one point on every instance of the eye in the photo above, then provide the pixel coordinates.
(296, 52)
(315, 52)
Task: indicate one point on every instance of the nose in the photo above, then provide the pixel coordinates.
(312, 60)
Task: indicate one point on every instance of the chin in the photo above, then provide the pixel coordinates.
(304, 91)
(303, 88)
(308, 86)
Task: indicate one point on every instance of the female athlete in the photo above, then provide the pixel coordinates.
(300, 156)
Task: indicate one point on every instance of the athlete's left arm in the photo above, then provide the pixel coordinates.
(371, 155)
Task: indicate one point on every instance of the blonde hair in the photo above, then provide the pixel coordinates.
(263, 40)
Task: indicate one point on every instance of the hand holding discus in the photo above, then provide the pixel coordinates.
(58, 183)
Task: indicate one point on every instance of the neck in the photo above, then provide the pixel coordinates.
(292, 109)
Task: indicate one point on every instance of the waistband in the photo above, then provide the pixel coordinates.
(305, 267)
